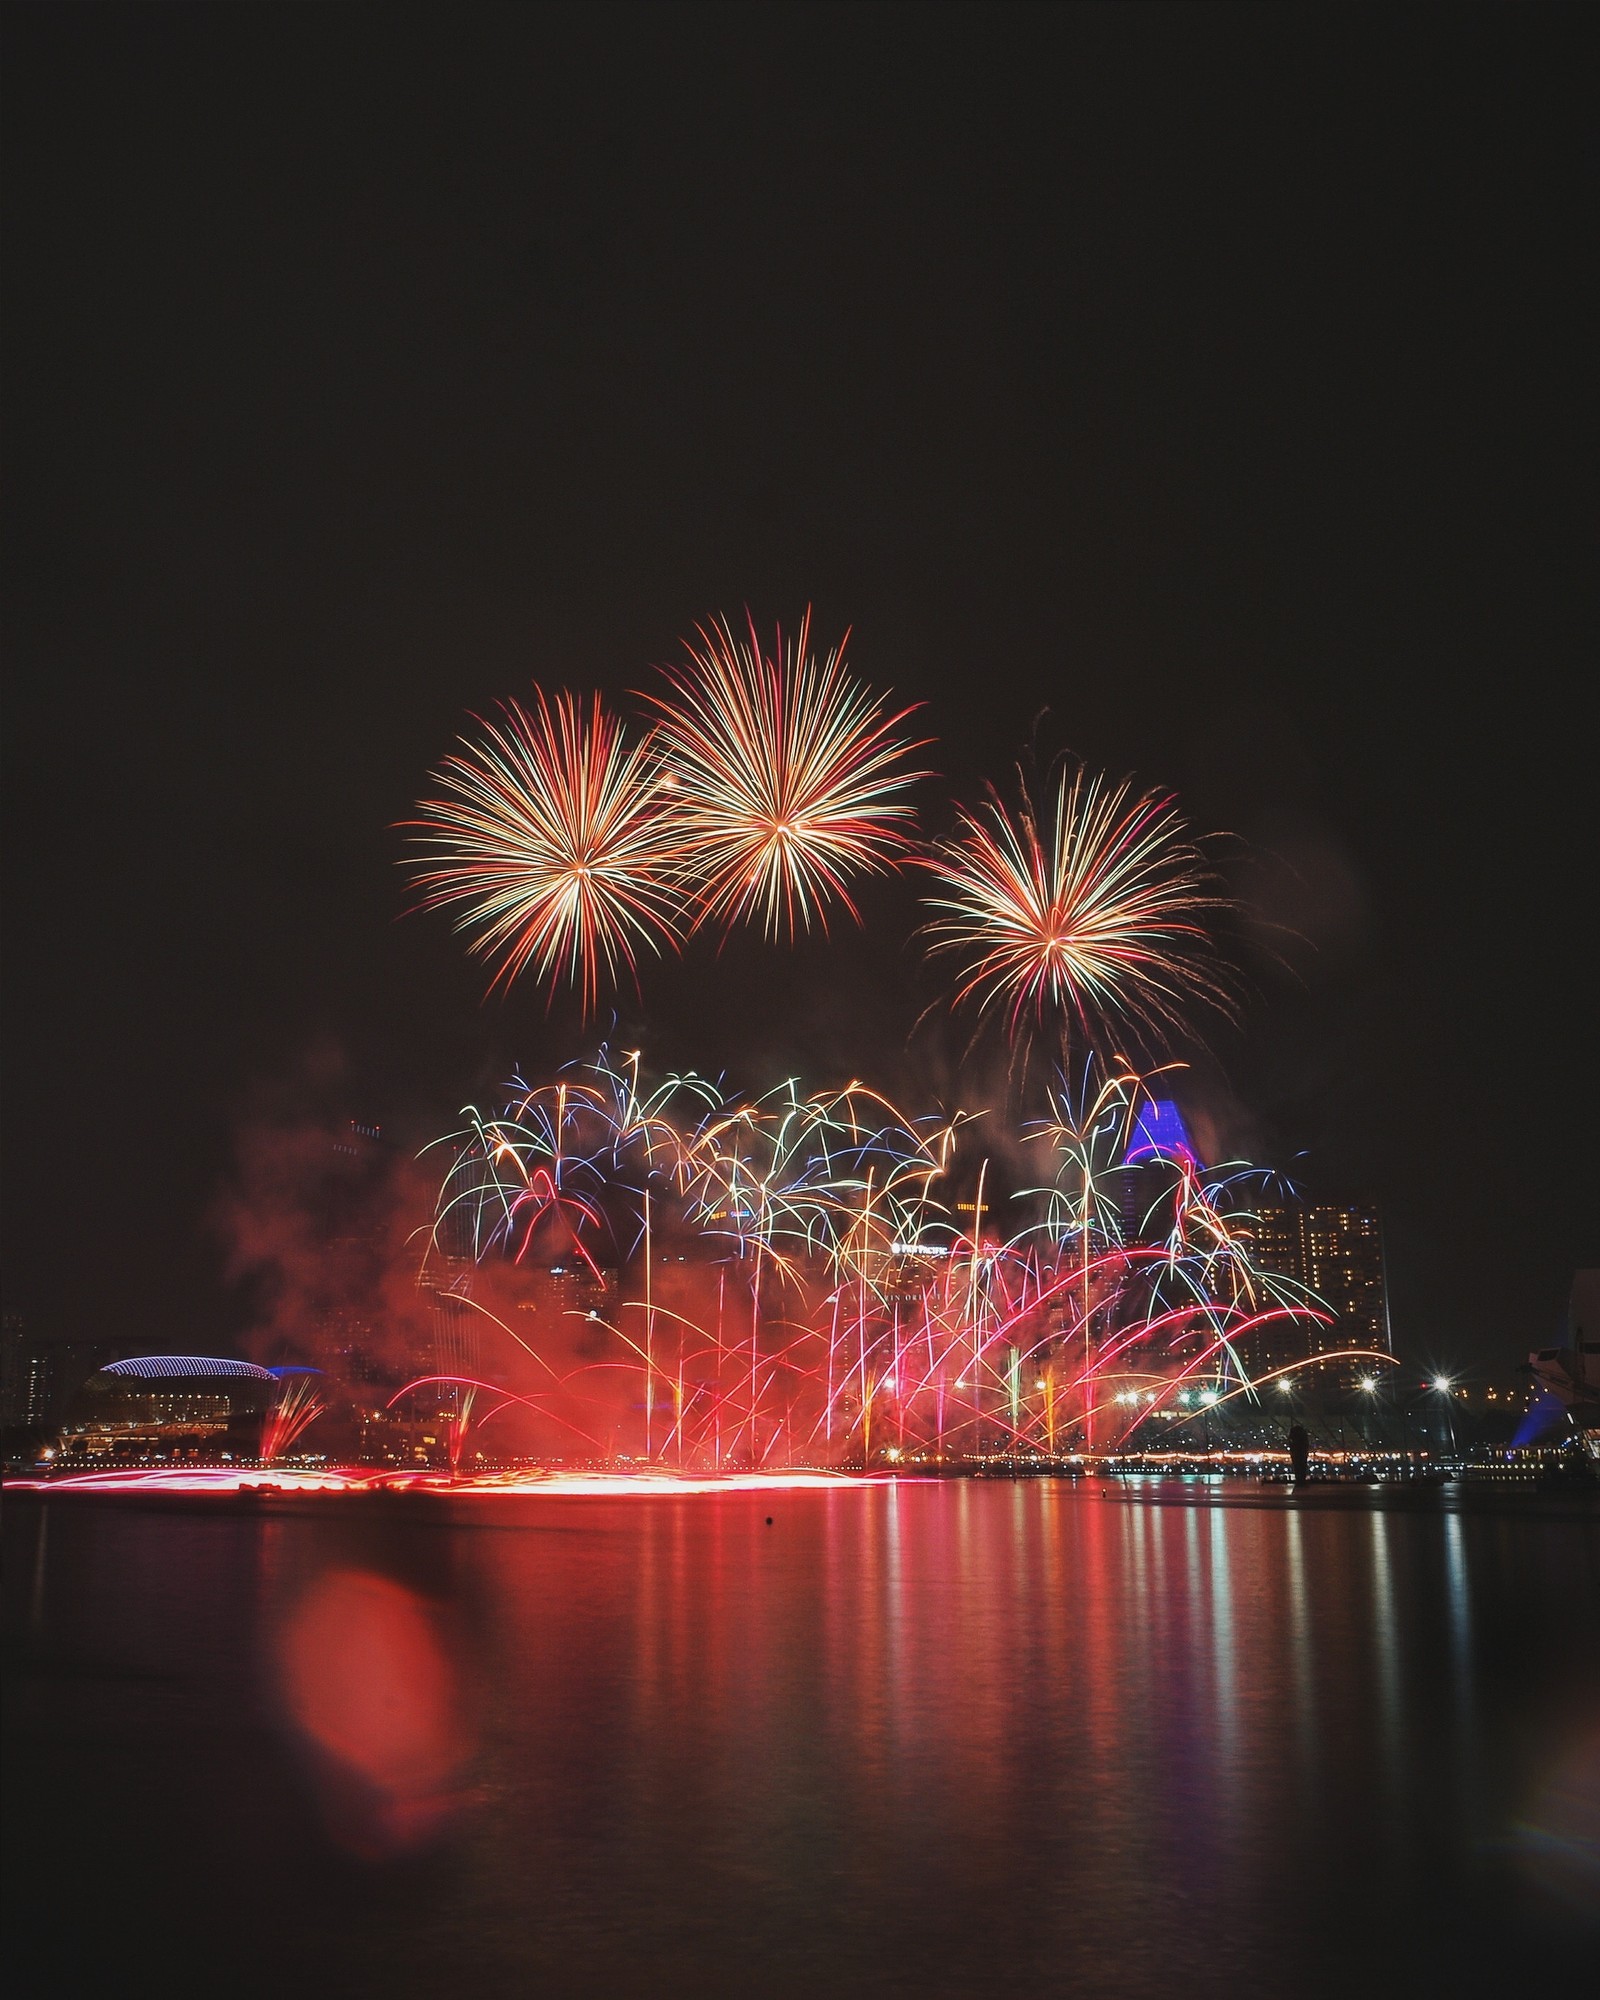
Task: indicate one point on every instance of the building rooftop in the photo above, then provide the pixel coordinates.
(174, 1367)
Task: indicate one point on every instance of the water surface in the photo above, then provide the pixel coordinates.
(931, 1738)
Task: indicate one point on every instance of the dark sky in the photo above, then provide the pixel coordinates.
(1214, 377)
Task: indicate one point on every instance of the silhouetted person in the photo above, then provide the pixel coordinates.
(1299, 1452)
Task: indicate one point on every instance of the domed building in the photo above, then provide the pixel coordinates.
(170, 1406)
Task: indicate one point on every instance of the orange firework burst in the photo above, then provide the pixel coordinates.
(550, 840)
(1095, 917)
(789, 776)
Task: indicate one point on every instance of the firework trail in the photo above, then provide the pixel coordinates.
(299, 1404)
(789, 777)
(825, 1296)
(550, 841)
(1092, 916)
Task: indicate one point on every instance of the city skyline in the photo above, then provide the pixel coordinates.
(798, 1192)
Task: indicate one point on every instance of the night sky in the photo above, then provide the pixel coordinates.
(1212, 378)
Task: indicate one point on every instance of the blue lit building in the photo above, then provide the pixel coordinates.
(1158, 1152)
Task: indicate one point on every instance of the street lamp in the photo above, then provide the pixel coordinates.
(1442, 1386)
(1368, 1385)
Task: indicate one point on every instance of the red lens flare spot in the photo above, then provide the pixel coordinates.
(371, 1691)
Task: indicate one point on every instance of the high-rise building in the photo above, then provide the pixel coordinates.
(24, 1377)
(1158, 1154)
(455, 1344)
(38, 1376)
(1336, 1250)
(572, 1290)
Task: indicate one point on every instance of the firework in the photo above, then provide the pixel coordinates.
(790, 778)
(827, 1297)
(299, 1403)
(551, 843)
(1094, 916)
(816, 1278)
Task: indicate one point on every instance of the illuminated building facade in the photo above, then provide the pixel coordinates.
(25, 1378)
(559, 1290)
(163, 1406)
(569, 1298)
(1336, 1248)
(1158, 1153)
(38, 1376)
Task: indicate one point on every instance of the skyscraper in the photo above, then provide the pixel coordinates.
(1335, 1248)
(25, 1377)
(1159, 1151)
(38, 1376)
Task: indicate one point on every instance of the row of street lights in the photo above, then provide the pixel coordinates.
(1441, 1385)
(1200, 1401)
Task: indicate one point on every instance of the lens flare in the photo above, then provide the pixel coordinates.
(1090, 917)
(550, 841)
(789, 776)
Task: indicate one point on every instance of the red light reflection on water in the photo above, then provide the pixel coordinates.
(369, 1688)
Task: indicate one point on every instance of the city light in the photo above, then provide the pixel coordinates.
(813, 1191)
